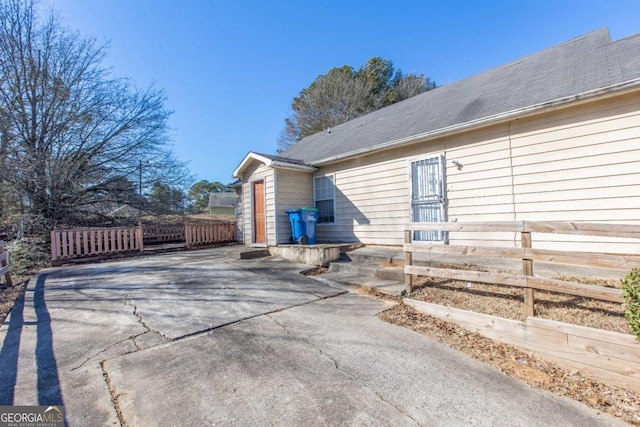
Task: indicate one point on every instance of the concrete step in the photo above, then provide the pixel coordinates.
(372, 268)
(237, 253)
(385, 286)
(353, 268)
(374, 255)
(391, 273)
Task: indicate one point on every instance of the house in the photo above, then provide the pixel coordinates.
(554, 136)
(222, 203)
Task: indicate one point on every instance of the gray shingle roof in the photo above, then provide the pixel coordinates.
(580, 65)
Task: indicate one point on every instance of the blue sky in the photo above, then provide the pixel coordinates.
(231, 68)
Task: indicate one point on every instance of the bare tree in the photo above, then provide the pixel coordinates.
(72, 133)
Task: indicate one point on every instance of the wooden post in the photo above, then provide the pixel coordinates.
(4, 264)
(527, 270)
(140, 234)
(187, 235)
(54, 245)
(408, 259)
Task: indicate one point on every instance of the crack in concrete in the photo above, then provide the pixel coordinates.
(337, 366)
(130, 337)
(277, 310)
(143, 323)
(113, 394)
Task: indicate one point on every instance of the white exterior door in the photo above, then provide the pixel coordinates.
(428, 196)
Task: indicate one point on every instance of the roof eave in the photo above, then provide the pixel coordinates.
(489, 120)
(271, 163)
(293, 166)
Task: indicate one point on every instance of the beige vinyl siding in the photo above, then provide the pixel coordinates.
(256, 172)
(372, 198)
(240, 216)
(579, 163)
(295, 190)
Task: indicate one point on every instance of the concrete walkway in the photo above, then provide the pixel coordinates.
(195, 338)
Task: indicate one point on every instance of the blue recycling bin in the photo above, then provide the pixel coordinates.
(297, 225)
(310, 218)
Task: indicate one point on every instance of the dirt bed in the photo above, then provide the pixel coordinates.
(507, 302)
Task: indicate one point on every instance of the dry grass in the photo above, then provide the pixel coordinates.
(507, 302)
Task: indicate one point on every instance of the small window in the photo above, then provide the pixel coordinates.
(324, 195)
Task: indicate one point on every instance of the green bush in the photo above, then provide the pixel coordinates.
(631, 295)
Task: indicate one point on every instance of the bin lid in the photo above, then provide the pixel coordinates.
(310, 208)
(292, 211)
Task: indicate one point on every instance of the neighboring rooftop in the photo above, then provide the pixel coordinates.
(584, 64)
(222, 200)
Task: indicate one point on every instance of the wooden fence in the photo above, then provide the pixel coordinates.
(163, 233)
(208, 234)
(4, 265)
(94, 242)
(526, 253)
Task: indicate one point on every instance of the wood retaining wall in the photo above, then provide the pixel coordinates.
(611, 357)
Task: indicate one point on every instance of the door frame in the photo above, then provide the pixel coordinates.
(253, 212)
(444, 201)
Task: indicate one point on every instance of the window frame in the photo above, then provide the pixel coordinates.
(332, 178)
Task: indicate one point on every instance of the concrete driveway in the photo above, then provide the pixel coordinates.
(195, 338)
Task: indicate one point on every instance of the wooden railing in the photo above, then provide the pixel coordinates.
(91, 243)
(94, 242)
(526, 253)
(207, 234)
(163, 233)
(4, 265)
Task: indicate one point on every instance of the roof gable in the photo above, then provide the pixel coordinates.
(271, 161)
(578, 66)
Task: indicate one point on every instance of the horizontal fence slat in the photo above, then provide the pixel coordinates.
(506, 226)
(522, 281)
(486, 251)
(551, 227)
(592, 259)
(467, 275)
(587, 229)
(577, 289)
